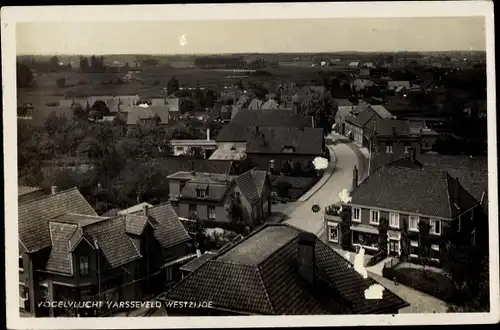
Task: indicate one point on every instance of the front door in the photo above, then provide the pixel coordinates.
(393, 248)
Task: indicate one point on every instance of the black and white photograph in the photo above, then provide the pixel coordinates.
(330, 160)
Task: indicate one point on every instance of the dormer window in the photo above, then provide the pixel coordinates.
(288, 149)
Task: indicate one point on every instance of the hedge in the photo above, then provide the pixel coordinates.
(434, 284)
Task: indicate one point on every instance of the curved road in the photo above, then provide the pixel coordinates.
(300, 214)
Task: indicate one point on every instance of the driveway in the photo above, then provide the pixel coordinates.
(301, 214)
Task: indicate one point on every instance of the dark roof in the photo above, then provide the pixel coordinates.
(112, 240)
(35, 214)
(169, 230)
(60, 258)
(177, 164)
(247, 185)
(362, 119)
(198, 262)
(24, 190)
(343, 102)
(214, 191)
(258, 275)
(272, 140)
(387, 127)
(413, 190)
(237, 130)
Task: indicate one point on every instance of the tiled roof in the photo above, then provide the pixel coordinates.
(113, 241)
(198, 262)
(238, 129)
(381, 111)
(135, 224)
(150, 112)
(213, 191)
(169, 230)
(412, 190)
(60, 258)
(248, 187)
(23, 190)
(259, 178)
(35, 214)
(362, 119)
(272, 140)
(258, 275)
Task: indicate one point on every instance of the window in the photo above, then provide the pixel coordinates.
(211, 212)
(271, 163)
(407, 149)
(435, 251)
(413, 248)
(374, 217)
(394, 220)
(459, 223)
(388, 149)
(436, 227)
(21, 263)
(169, 274)
(356, 215)
(200, 192)
(84, 265)
(413, 223)
(333, 234)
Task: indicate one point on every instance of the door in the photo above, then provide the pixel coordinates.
(393, 248)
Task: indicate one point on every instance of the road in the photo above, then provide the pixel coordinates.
(300, 214)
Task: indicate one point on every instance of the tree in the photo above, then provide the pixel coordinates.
(54, 63)
(297, 169)
(60, 82)
(100, 107)
(79, 113)
(173, 85)
(345, 227)
(282, 188)
(323, 108)
(423, 243)
(382, 232)
(235, 208)
(287, 169)
(84, 64)
(24, 76)
(405, 241)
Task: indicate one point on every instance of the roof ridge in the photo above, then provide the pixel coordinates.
(265, 288)
(48, 196)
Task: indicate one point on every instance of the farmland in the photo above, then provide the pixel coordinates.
(152, 81)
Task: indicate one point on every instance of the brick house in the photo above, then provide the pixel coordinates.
(286, 271)
(269, 148)
(359, 127)
(209, 195)
(405, 194)
(68, 252)
(392, 136)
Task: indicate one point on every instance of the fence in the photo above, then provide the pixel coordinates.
(378, 257)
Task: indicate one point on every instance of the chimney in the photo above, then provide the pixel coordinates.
(54, 190)
(145, 211)
(306, 256)
(355, 175)
(208, 133)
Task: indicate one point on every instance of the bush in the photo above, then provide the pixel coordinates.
(434, 284)
(282, 188)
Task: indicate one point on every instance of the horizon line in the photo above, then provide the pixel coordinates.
(260, 53)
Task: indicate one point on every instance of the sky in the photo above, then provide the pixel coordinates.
(256, 36)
